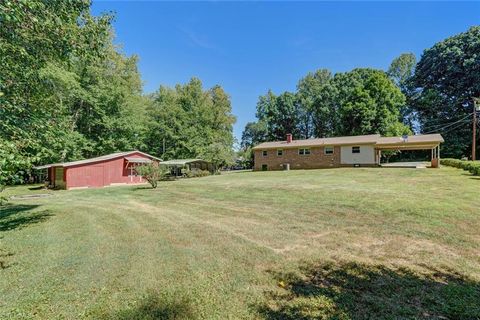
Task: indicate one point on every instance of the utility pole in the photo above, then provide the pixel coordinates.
(474, 137)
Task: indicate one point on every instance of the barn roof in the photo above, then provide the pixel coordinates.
(374, 139)
(96, 159)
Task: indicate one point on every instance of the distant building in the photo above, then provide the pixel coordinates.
(112, 169)
(177, 165)
(338, 151)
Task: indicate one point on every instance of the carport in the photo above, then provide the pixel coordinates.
(177, 165)
(417, 142)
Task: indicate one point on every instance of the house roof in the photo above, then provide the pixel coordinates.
(96, 159)
(366, 139)
(374, 139)
(181, 162)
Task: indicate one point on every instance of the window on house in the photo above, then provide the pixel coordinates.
(328, 150)
(279, 152)
(264, 167)
(304, 151)
(264, 153)
(355, 149)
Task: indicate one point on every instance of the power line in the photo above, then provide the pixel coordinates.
(454, 128)
(461, 121)
(440, 122)
(449, 123)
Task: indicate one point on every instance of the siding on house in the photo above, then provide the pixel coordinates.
(366, 155)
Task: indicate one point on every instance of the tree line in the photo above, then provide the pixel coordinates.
(68, 93)
(433, 95)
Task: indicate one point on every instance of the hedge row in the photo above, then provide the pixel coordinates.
(472, 166)
(195, 173)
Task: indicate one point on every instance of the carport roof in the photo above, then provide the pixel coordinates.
(180, 162)
(417, 142)
(421, 138)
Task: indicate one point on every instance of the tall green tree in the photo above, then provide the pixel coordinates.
(401, 71)
(109, 113)
(317, 94)
(191, 122)
(266, 110)
(66, 92)
(286, 116)
(362, 101)
(447, 77)
(253, 134)
(37, 37)
(368, 102)
(279, 113)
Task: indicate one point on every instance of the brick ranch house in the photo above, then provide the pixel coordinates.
(339, 151)
(112, 169)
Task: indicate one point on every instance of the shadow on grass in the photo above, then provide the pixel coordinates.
(158, 188)
(19, 216)
(359, 291)
(37, 188)
(149, 187)
(159, 306)
(3, 263)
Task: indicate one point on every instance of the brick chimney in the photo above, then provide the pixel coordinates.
(289, 137)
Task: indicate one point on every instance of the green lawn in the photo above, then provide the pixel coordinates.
(320, 244)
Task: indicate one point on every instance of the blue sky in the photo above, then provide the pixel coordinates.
(250, 47)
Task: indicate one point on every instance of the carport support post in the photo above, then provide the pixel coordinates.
(435, 157)
(438, 155)
(432, 164)
(379, 156)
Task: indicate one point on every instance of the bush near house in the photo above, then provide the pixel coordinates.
(153, 173)
(196, 173)
(471, 166)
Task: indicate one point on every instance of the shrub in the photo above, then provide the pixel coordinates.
(196, 173)
(152, 172)
(471, 166)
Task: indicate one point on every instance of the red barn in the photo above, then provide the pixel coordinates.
(112, 169)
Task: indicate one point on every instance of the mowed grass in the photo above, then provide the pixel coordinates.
(320, 244)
